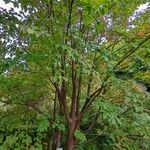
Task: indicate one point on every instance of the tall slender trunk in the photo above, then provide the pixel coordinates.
(58, 139)
(70, 143)
(50, 143)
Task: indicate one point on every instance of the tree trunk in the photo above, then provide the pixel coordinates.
(70, 143)
(58, 139)
(50, 143)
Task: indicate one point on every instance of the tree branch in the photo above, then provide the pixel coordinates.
(131, 52)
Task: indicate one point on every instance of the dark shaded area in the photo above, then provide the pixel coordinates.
(148, 88)
(124, 74)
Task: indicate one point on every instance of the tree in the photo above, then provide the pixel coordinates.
(74, 53)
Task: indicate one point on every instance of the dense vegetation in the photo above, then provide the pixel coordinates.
(75, 74)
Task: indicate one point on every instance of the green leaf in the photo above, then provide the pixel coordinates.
(80, 136)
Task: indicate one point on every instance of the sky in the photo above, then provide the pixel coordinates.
(8, 6)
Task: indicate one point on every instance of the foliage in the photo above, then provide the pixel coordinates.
(71, 74)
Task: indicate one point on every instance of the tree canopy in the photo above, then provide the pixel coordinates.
(75, 74)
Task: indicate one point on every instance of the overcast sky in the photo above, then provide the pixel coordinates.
(7, 6)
